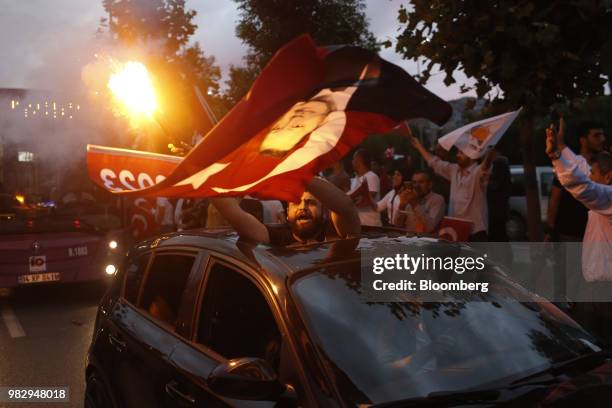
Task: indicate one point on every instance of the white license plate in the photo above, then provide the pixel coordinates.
(38, 277)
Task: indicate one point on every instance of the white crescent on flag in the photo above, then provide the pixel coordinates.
(474, 139)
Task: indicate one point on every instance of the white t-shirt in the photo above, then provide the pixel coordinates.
(368, 216)
(163, 202)
(391, 202)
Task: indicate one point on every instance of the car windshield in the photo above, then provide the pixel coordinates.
(77, 216)
(379, 352)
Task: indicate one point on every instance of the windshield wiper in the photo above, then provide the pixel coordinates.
(451, 398)
(585, 360)
(445, 398)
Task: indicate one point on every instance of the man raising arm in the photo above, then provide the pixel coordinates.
(468, 181)
(596, 194)
(307, 219)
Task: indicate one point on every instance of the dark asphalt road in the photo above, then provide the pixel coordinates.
(45, 332)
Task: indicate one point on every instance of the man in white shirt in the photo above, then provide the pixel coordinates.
(164, 215)
(596, 194)
(425, 208)
(561, 204)
(594, 312)
(468, 187)
(361, 165)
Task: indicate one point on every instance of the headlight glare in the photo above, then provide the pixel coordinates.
(110, 269)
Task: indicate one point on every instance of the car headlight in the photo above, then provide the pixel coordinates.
(110, 269)
(113, 244)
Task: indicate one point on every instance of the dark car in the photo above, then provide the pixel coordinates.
(202, 319)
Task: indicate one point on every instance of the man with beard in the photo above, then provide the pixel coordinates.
(307, 220)
(426, 208)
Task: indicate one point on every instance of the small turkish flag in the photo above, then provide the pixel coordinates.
(455, 229)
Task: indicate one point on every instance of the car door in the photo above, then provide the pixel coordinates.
(144, 326)
(233, 318)
(106, 352)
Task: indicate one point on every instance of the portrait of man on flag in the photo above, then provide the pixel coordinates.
(301, 120)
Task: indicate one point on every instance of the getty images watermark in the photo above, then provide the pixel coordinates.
(422, 269)
(425, 269)
(424, 264)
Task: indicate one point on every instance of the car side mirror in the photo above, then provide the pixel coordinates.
(246, 379)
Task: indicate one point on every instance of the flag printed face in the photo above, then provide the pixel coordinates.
(302, 119)
(476, 138)
(310, 129)
(308, 108)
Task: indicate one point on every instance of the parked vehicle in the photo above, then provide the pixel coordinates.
(202, 319)
(10, 206)
(80, 241)
(516, 227)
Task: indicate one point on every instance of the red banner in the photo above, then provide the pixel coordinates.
(122, 169)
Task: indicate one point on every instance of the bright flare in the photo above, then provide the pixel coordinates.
(131, 86)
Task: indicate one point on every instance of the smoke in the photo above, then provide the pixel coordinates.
(66, 107)
(54, 118)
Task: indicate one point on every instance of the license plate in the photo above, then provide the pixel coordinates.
(39, 277)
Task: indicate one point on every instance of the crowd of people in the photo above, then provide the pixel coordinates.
(382, 192)
(394, 192)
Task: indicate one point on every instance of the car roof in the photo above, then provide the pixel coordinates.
(284, 261)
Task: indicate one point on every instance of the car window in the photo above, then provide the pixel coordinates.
(518, 185)
(546, 180)
(235, 320)
(164, 286)
(134, 272)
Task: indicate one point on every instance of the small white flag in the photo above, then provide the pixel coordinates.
(475, 138)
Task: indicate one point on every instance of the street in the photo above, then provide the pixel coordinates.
(45, 332)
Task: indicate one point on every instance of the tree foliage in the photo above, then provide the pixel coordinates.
(527, 53)
(165, 27)
(266, 25)
(536, 52)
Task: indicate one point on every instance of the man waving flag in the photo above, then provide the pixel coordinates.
(308, 108)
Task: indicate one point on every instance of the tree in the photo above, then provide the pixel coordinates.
(266, 25)
(531, 53)
(165, 27)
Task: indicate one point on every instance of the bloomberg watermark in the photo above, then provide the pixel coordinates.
(413, 264)
(430, 270)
